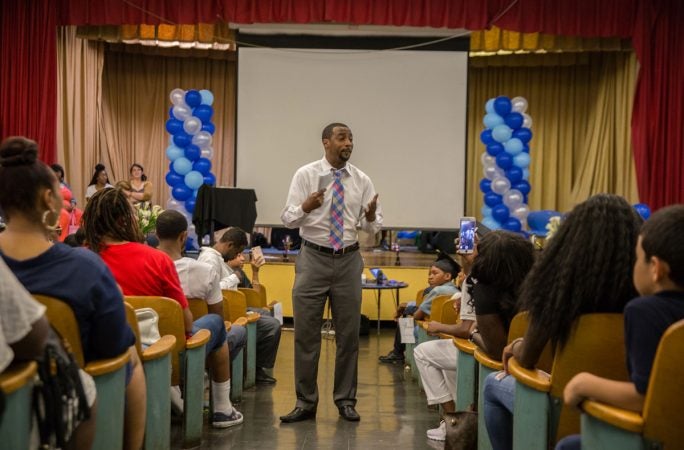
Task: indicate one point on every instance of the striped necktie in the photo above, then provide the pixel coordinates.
(337, 212)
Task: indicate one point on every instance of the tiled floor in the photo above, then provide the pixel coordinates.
(393, 411)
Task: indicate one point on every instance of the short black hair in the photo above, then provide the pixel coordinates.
(170, 224)
(662, 235)
(328, 130)
(58, 169)
(235, 235)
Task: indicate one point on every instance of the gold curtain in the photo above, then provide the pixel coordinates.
(135, 106)
(581, 125)
(79, 74)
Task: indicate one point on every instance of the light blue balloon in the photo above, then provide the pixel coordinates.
(501, 133)
(486, 211)
(526, 174)
(513, 146)
(521, 160)
(207, 97)
(492, 119)
(182, 165)
(491, 223)
(489, 106)
(173, 152)
(194, 179)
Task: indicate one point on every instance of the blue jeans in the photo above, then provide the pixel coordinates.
(213, 323)
(572, 442)
(499, 397)
(237, 340)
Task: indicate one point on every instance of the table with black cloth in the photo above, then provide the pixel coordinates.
(217, 208)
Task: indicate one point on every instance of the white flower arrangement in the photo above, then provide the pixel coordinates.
(552, 226)
(147, 218)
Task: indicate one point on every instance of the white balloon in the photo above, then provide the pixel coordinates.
(500, 185)
(202, 139)
(173, 204)
(527, 121)
(208, 152)
(521, 212)
(519, 104)
(181, 112)
(513, 199)
(492, 172)
(192, 125)
(487, 159)
(177, 96)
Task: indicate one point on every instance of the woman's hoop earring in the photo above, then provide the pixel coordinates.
(47, 226)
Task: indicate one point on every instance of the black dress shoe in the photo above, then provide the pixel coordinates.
(349, 413)
(298, 414)
(263, 378)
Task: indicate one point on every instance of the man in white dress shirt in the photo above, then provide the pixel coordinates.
(327, 201)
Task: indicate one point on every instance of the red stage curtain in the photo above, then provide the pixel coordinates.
(28, 79)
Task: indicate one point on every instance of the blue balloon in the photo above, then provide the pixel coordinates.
(491, 120)
(208, 127)
(194, 180)
(522, 160)
(171, 116)
(173, 179)
(512, 224)
(190, 205)
(502, 105)
(495, 148)
(182, 139)
(490, 223)
(486, 137)
(173, 152)
(203, 113)
(485, 185)
(193, 152)
(202, 165)
(182, 166)
(491, 199)
(525, 201)
(514, 120)
(643, 210)
(210, 179)
(513, 146)
(489, 106)
(173, 126)
(190, 244)
(524, 134)
(500, 213)
(207, 97)
(537, 220)
(504, 160)
(501, 133)
(526, 148)
(193, 98)
(514, 174)
(486, 211)
(526, 174)
(181, 192)
(523, 186)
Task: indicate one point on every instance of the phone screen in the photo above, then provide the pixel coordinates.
(466, 235)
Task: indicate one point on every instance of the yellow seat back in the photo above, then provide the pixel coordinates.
(234, 305)
(253, 298)
(518, 328)
(261, 289)
(449, 314)
(62, 319)
(198, 307)
(419, 296)
(438, 306)
(662, 415)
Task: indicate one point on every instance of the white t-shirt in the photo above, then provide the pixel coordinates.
(211, 256)
(199, 280)
(92, 189)
(467, 306)
(18, 312)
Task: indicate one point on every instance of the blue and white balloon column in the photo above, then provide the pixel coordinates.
(190, 152)
(505, 184)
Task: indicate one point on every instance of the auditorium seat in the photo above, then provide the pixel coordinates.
(109, 375)
(660, 423)
(596, 345)
(16, 383)
(466, 374)
(235, 310)
(156, 360)
(187, 361)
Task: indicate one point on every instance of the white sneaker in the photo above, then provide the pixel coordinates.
(439, 433)
(176, 400)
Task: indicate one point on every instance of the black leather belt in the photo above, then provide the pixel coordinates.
(331, 251)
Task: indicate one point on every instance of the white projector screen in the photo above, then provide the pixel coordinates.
(406, 109)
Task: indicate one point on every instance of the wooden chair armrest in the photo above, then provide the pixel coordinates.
(105, 366)
(17, 376)
(621, 418)
(198, 339)
(242, 321)
(228, 325)
(464, 345)
(487, 360)
(159, 349)
(253, 317)
(272, 304)
(535, 378)
(423, 324)
(444, 336)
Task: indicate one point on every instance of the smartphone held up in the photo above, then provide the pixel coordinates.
(466, 235)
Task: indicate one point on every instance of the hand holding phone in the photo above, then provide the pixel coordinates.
(466, 235)
(258, 259)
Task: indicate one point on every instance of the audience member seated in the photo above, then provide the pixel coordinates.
(112, 231)
(231, 243)
(139, 189)
(268, 327)
(659, 279)
(30, 197)
(440, 282)
(59, 173)
(198, 279)
(585, 268)
(99, 181)
(489, 296)
(70, 217)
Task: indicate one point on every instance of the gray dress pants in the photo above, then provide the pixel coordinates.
(318, 276)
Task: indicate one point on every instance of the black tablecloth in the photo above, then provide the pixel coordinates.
(220, 208)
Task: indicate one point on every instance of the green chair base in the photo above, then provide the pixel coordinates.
(250, 373)
(109, 421)
(466, 381)
(599, 435)
(158, 418)
(530, 424)
(193, 396)
(236, 383)
(482, 435)
(15, 427)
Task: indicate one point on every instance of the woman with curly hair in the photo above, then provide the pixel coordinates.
(586, 268)
(99, 181)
